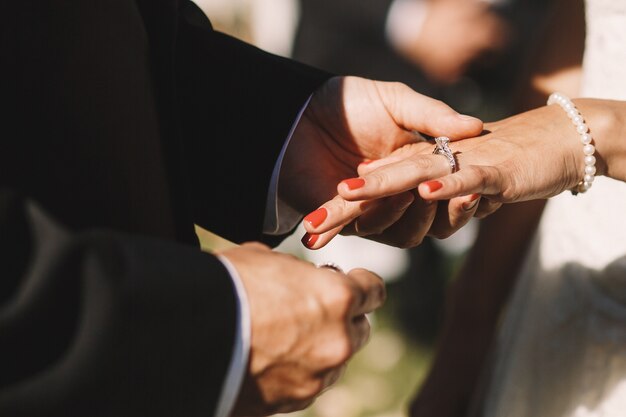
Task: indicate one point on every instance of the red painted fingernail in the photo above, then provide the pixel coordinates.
(317, 217)
(470, 204)
(433, 186)
(354, 183)
(309, 240)
(367, 162)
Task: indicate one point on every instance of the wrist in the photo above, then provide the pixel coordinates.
(606, 121)
(590, 159)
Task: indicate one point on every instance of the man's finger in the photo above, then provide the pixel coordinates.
(330, 377)
(359, 329)
(414, 111)
(370, 289)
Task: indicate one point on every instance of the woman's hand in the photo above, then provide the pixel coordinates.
(534, 155)
(352, 120)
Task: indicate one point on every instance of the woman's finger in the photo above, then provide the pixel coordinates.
(394, 178)
(316, 241)
(411, 229)
(334, 213)
(486, 208)
(381, 216)
(484, 180)
(454, 215)
(363, 219)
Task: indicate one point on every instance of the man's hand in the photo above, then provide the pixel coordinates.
(351, 121)
(530, 156)
(306, 323)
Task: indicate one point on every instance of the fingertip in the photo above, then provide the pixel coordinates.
(431, 186)
(309, 240)
(366, 166)
(314, 219)
(471, 203)
(314, 241)
(463, 126)
(346, 192)
(353, 183)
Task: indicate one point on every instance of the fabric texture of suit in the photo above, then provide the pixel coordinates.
(125, 122)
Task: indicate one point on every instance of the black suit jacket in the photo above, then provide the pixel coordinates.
(124, 122)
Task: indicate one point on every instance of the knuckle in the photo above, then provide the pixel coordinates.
(308, 391)
(343, 351)
(481, 175)
(458, 183)
(435, 105)
(511, 187)
(399, 86)
(380, 179)
(421, 164)
(341, 298)
(510, 193)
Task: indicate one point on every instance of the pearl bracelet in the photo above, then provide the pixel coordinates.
(586, 139)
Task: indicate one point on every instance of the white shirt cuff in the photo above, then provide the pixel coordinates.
(241, 351)
(280, 217)
(405, 20)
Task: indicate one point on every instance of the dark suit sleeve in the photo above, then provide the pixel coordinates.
(103, 324)
(238, 105)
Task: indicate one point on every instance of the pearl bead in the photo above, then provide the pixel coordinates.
(590, 160)
(589, 150)
(590, 170)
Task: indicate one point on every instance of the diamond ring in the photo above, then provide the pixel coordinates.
(442, 147)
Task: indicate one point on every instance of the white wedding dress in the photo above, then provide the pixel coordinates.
(561, 350)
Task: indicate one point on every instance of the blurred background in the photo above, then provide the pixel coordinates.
(469, 53)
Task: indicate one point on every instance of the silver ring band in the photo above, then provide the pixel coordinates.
(442, 147)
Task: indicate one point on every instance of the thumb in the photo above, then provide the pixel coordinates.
(414, 111)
